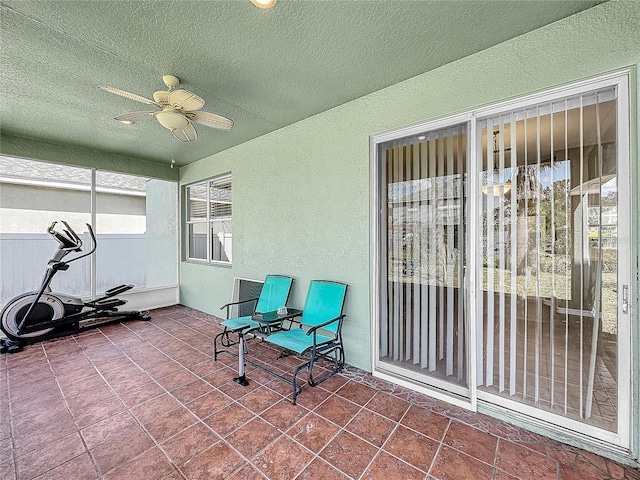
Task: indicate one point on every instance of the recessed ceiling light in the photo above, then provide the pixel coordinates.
(421, 137)
(264, 3)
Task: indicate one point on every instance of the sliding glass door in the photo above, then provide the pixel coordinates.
(502, 259)
(423, 328)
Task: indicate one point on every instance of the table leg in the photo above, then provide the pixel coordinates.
(241, 379)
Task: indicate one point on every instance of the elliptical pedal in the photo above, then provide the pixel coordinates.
(106, 304)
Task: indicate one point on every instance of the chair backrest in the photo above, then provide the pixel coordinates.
(325, 300)
(274, 294)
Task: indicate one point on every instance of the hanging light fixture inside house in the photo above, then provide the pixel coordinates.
(499, 187)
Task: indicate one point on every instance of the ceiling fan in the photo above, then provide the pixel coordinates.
(177, 109)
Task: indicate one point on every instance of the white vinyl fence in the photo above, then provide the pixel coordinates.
(23, 257)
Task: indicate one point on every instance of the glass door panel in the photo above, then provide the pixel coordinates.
(548, 332)
(422, 322)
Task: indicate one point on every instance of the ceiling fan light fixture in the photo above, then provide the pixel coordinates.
(171, 119)
(264, 4)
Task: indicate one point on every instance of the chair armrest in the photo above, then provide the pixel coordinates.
(238, 303)
(322, 325)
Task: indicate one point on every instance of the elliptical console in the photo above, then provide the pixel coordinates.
(43, 314)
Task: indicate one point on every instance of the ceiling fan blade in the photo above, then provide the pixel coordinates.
(133, 117)
(130, 96)
(187, 134)
(182, 99)
(211, 120)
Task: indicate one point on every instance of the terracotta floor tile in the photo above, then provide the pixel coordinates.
(191, 391)
(108, 429)
(412, 447)
(248, 472)
(283, 459)
(237, 391)
(203, 368)
(341, 424)
(164, 369)
(521, 461)
(313, 431)
(259, 399)
(451, 464)
(253, 437)
(112, 364)
(371, 427)
(472, 441)
(216, 462)
(79, 467)
(84, 386)
(389, 467)
(208, 404)
(348, 454)
(187, 444)
(318, 468)
(132, 382)
(338, 410)
(6, 450)
(97, 411)
(500, 475)
(130, 442)
(177, 379)
(42, 433)
(8, 470)
(312, 397)
(145, 412)
(151, 464)
(142, 394)
(284, 414)
(50, 456)
(169, 423)
(356, 392)
(334, 383)
(89, 398)
(219, 377)
(228, 419)
(425, 421)
(568, 472)
(193, 358)
(388, 405)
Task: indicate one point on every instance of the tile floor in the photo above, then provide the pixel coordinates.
(145, 400)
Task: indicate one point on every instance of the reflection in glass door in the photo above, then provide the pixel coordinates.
(548, 269)
(422, 328)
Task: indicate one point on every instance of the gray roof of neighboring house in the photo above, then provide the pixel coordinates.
(24, 169)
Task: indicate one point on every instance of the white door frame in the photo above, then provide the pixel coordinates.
(471, 397)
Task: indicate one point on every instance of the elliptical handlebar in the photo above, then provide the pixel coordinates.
(69, 241)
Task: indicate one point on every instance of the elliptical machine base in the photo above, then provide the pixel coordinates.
(43, 314)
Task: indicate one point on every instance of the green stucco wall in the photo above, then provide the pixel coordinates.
(302, 194)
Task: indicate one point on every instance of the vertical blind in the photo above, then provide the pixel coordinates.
(548, 254)
(422, 325)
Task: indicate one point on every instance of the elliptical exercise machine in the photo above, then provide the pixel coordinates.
(43, 314)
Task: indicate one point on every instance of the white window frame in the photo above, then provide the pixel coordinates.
(208, 220)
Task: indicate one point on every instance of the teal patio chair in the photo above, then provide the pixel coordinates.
(319, 332)
(274, 294)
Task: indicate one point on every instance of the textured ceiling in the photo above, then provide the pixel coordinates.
(265, 69)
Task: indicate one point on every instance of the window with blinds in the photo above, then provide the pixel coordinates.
(209, 220)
